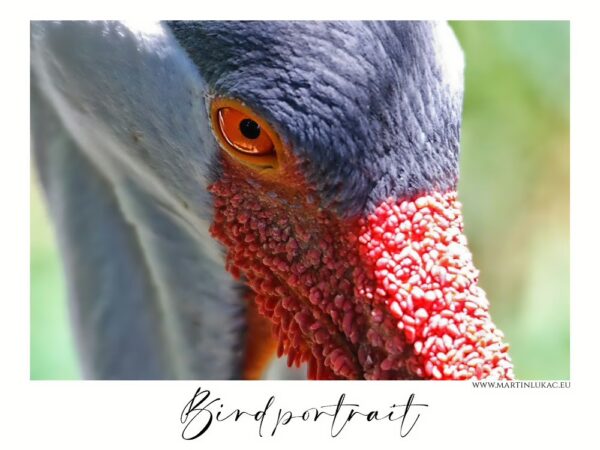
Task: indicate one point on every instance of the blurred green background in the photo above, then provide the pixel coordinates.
(514, 187)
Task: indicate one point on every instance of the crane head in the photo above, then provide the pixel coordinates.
(335, 194)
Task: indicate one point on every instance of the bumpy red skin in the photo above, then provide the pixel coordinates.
(390, 296)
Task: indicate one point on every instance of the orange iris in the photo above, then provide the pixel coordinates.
(244, 135)
(243, 132)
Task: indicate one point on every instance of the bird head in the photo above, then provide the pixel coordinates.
(335, 194)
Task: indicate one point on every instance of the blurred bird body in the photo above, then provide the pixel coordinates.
(348, 247)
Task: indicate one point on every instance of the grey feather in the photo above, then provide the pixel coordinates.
(125, 174)
(373, 109)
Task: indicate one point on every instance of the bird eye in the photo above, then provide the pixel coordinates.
(243, 134)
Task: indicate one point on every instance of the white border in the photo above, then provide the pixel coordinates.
(146, 414)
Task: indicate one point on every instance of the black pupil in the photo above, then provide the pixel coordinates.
(250, 128)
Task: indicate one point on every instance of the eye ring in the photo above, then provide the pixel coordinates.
(244, 135)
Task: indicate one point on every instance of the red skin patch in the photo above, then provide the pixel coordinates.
(390, 296)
